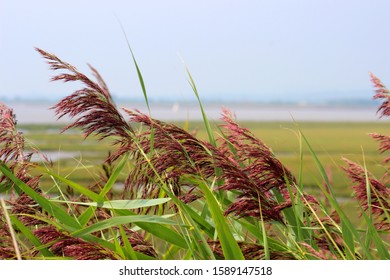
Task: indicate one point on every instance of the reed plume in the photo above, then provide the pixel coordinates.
(179, 155)
(7, 250)
(176, 154)
(384, 143)
(252, 251)
(257, 173)
(12, 141)
(173, 154)
(12, 153)
(372, 193)
(381, 92)
(377, 198)
(12, 145)
(92, 106)
(63, 245)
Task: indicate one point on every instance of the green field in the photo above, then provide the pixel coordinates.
(81, 159)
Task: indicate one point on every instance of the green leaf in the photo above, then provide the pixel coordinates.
(129, 251)
(31, 237)
(140, 78)
(115, 174)
(201, 221)
(373, 236)
(197, 243)
(158, 230)
(48, 206)
(86, 216)
(121, 204)
(5, 186)
(253, 228)
(230, 247)
(349, 241)
(115, 221)
(204, 115)
(83, 190)
(347, 225)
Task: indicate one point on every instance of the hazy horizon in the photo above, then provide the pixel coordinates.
(41, 112)
(342, 100)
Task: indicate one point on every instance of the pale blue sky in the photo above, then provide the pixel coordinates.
(239, 50)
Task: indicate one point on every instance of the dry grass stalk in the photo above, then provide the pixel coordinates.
(11, 230)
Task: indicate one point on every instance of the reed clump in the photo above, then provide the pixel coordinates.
(228, 197)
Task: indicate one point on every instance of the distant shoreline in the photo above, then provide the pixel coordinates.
(40, 113)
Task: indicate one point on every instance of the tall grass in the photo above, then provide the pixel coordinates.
(228, 197)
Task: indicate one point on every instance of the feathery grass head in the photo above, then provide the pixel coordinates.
(173, 155)
(384, 143)
(381, 92)
(177, 155)
(7, 251)
(12, 146)
(252, 251)
(63, 245)
(27, 209)
(11, 141)
(254, 171)
(377, 198)
(93, 105)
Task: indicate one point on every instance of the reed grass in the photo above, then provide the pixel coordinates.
(227, 196)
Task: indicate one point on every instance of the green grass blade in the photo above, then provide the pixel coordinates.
(264, 231)
(4, 187)
(31, 237)
(254, 229)
(129, 251)
(332, 199)
(204, 115)
(373, 236)
(194, 234)
(78, 188)
(140, 78)
(115, 174)
(158, 230)
(48, 206)
(348, 241)
(330, 196)
(164, 233)
(118, 248)
(229, 245)
(318, 164)
(86, 216)
(200, 221)
(115, 221)
(121, 204)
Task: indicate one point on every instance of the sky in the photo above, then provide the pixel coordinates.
(249, 50)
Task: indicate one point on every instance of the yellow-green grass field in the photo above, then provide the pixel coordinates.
(81, 159)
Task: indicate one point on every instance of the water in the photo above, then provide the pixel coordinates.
(39, 113)
(53, 155)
